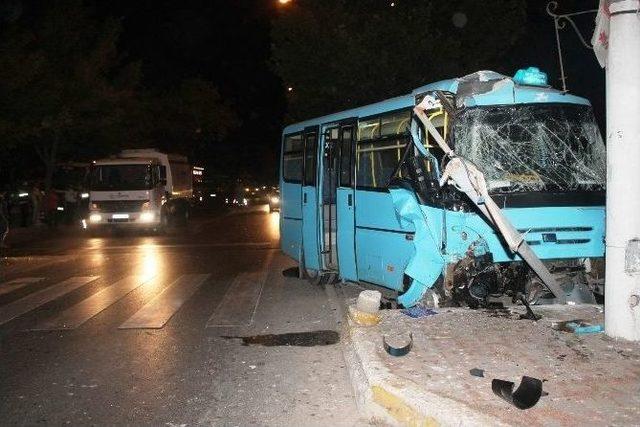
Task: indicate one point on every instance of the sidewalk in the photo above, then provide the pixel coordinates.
(590, 379)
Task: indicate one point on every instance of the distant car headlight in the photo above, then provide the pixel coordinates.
(245, 202)
(275, 200)
(95, 218)
(147, 216)
(21, 195)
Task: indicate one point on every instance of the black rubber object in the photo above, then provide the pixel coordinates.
(524, 397)
(398, 351)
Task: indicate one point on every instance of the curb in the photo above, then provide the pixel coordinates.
(383, 396)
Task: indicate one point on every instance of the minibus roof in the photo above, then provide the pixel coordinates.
(477, 89)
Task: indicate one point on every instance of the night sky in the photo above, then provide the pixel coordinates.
(228, 43)
(225, 41)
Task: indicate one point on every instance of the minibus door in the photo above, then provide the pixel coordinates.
(346, 203)
(310, 242)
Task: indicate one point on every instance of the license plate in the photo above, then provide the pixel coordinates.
(120, 216)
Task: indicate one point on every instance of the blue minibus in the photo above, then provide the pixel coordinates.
(360, 204)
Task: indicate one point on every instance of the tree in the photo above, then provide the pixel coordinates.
(67, 93)
(62, 84)
(338, 54)
(191, 118)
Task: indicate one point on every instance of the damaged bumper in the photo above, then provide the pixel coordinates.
(464, 250)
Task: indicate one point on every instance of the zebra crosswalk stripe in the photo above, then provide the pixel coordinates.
(240, 302)
(78, 314)
(16, 284)
(160, 309)
(41, 297)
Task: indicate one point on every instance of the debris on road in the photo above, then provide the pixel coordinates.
(363, 318)
(578, 327)
(369, 301)
(417, 312)
(530, 314)
(398, 351)
(524, 397)
(477, 372)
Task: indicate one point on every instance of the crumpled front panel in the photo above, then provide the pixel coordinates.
(426, 264)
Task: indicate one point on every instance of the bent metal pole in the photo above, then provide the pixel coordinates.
(622, 278)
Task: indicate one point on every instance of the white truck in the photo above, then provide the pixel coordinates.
(139, 189)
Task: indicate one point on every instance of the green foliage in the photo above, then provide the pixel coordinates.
(58, 82)
(338, 54)
(67, 93)
(194, 111)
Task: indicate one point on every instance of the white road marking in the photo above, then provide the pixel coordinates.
(240, 302)
(36, 299)
(89, 307)
(187, 245)
(159, 310)
(15, 284)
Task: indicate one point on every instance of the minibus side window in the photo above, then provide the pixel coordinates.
(310, 149)
(292, 158)
(345, 157)
(381, 141)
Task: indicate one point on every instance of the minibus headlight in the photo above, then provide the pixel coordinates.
(95, 218)
(84, 195)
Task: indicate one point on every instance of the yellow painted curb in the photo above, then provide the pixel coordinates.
(363, 319)
(399, 410)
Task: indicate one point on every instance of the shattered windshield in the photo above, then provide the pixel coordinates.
(533, 147)
(121, 177)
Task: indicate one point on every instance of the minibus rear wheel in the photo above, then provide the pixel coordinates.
(321, 279)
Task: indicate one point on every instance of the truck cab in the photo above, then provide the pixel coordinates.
(139, 189)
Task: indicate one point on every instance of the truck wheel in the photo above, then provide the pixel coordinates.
(185, 216)
(164, 224)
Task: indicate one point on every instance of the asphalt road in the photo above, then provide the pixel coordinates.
(191, 328)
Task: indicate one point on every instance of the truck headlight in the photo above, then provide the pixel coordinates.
(147, 216)
(95, 218)
(146, 205)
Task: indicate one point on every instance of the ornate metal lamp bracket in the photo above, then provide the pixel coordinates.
(560, 22)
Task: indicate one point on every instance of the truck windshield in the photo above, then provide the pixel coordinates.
(121, 177)
(533, 147)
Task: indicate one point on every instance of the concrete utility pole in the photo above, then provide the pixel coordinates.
(622, 281)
